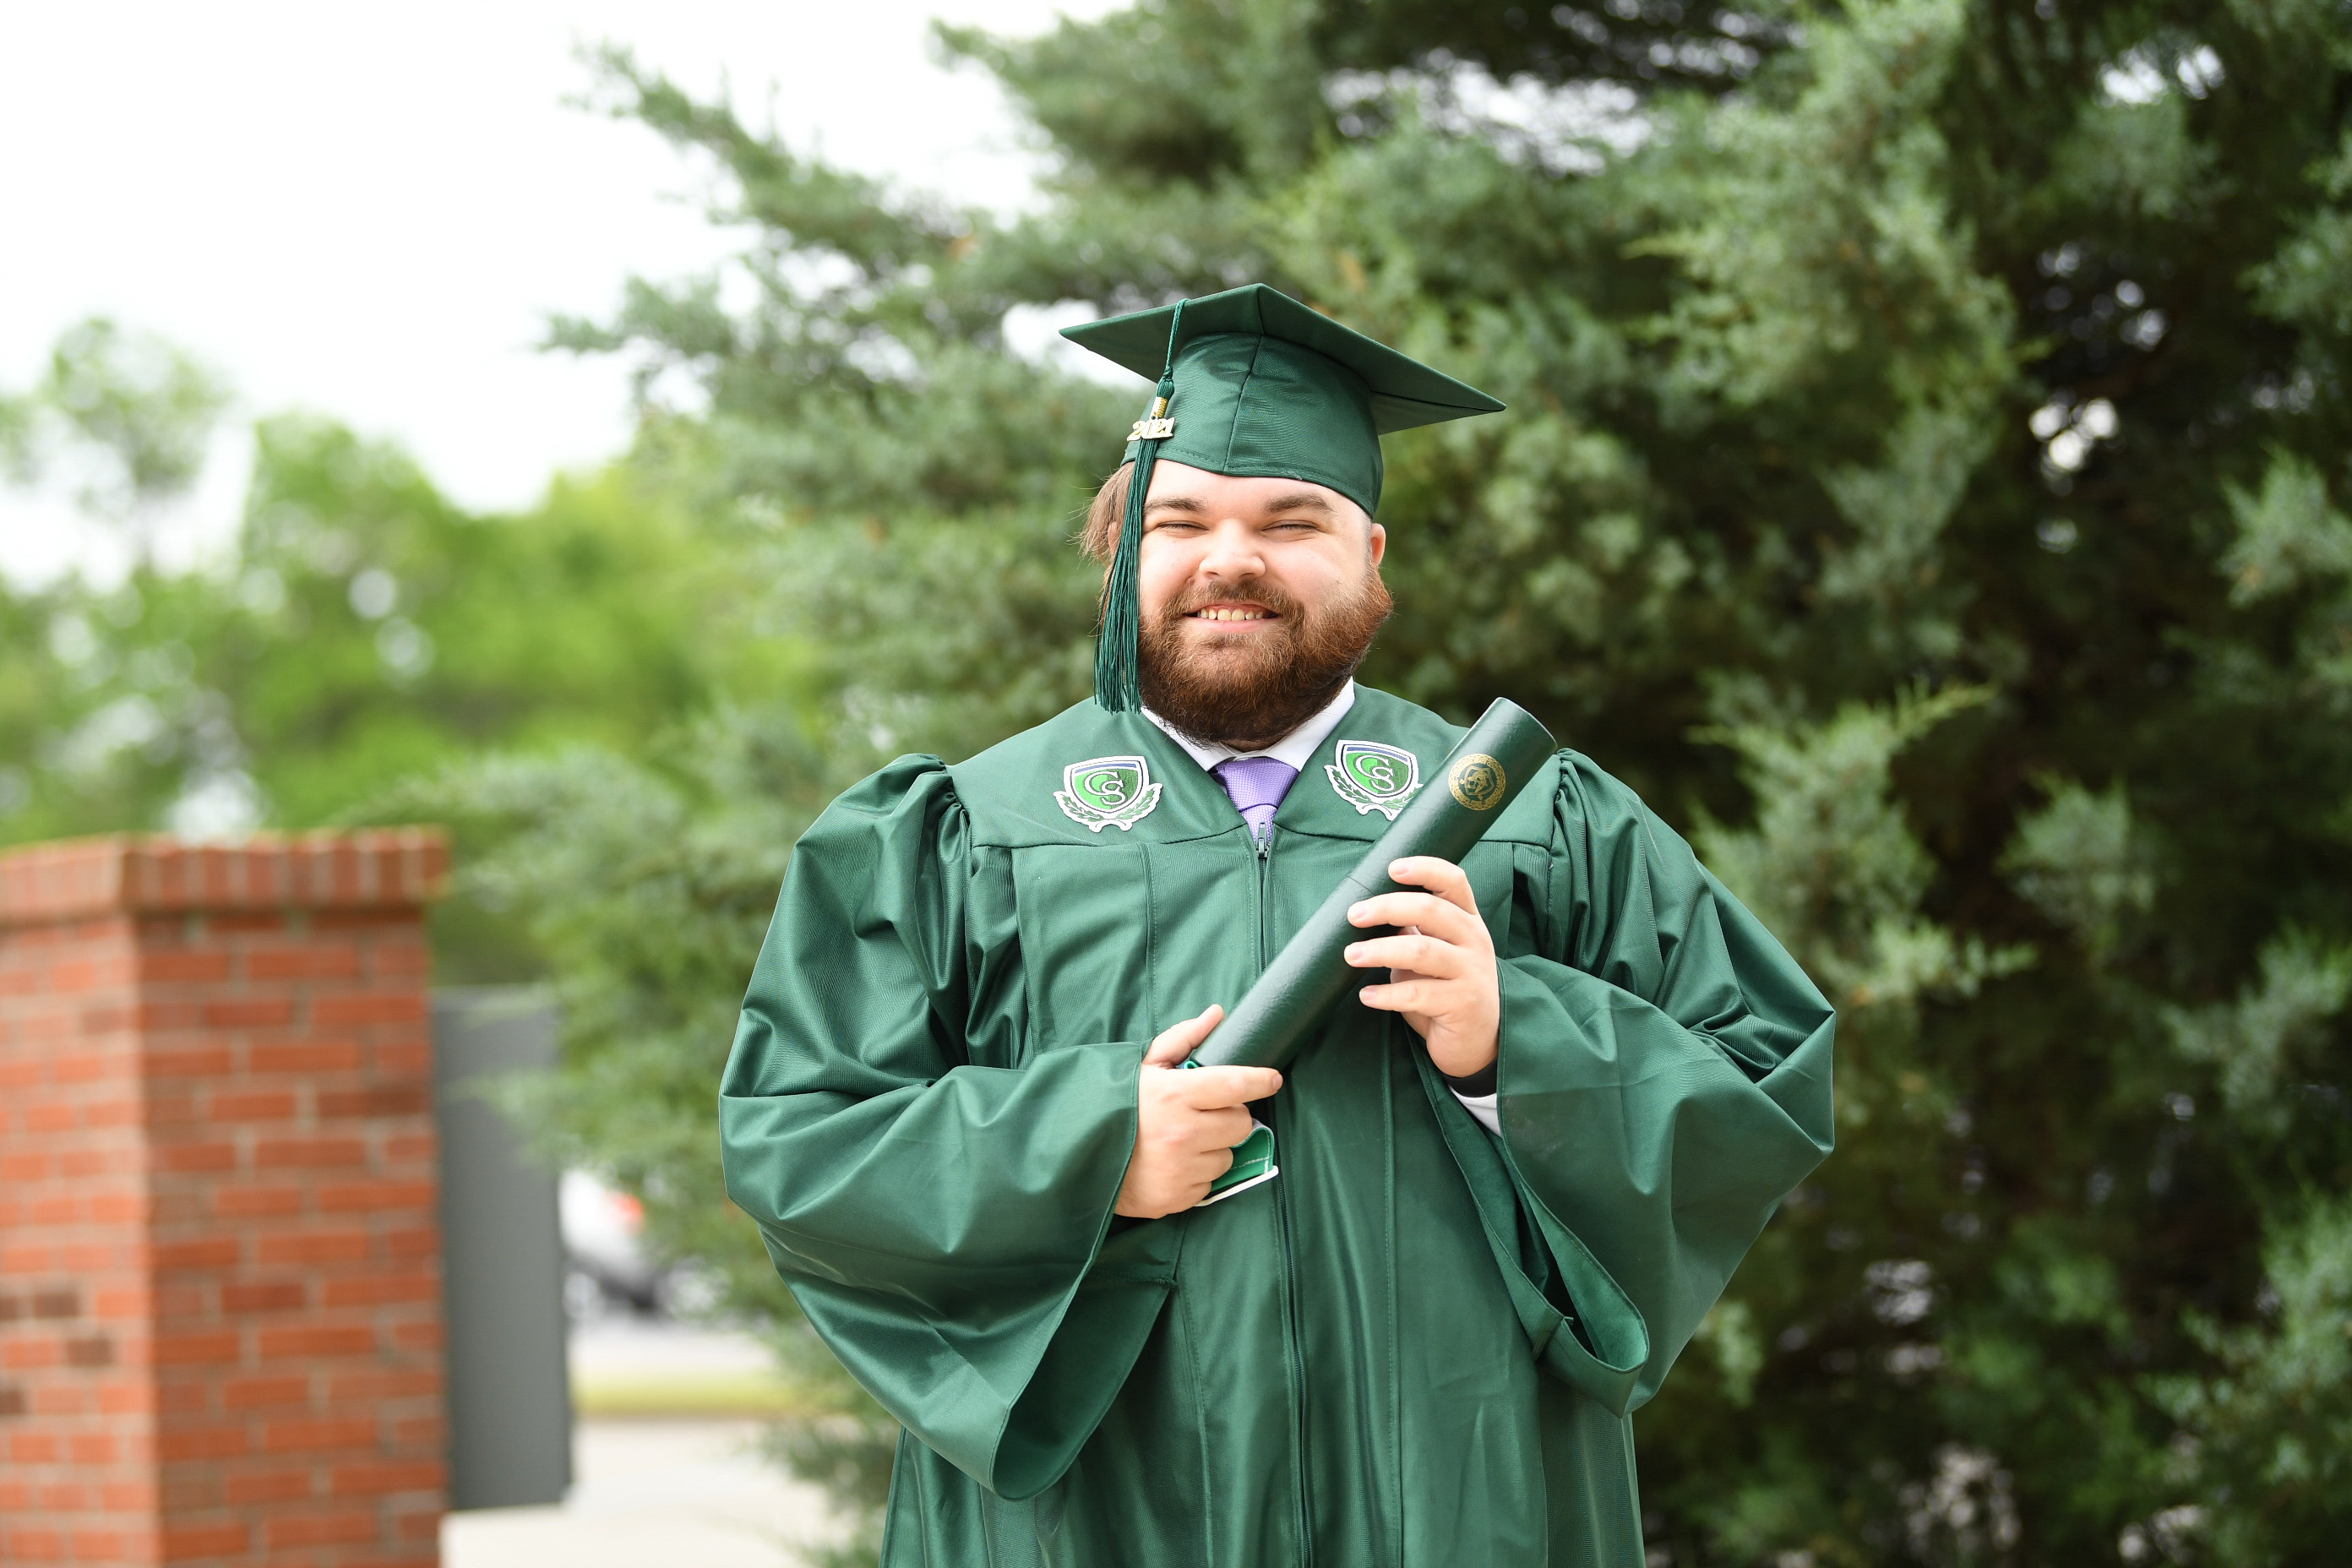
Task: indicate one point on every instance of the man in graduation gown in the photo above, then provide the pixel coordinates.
(1511, 1175)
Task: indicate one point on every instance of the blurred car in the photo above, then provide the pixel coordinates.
(607, 1269)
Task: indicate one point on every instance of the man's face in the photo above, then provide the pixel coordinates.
(1259, 598)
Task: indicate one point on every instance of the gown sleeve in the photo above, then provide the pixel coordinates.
(940, 1221)
(1665, 1083)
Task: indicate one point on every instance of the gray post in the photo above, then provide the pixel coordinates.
(502, 1249)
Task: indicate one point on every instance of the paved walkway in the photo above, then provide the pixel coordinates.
(651, 1491)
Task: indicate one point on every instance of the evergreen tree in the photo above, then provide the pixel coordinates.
(1925, 481)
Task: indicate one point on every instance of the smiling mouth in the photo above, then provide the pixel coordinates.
(1227, 614)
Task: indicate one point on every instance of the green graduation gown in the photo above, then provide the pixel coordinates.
(1420, 1344)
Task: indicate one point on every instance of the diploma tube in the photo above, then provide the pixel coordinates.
(1451, 811)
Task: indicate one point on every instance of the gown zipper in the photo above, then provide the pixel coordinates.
(1297, 1356)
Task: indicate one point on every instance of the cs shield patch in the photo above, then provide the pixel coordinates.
(1107, 792)
(1372, 777)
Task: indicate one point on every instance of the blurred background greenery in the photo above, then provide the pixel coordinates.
(1925, 481)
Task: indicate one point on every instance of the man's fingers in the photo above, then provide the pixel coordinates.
(1415, 995)
(1224, 1128)
(1432, 914)
(1214, 1089)
(1442, 877)
(1422, 954)
(1177, 1041)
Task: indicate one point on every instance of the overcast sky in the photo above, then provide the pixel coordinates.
(370, 211)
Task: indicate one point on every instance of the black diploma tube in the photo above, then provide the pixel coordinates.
(1479, 777)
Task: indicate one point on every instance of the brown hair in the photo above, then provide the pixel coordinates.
(1104, 515)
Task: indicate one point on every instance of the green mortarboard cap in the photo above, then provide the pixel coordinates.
(1254, 384)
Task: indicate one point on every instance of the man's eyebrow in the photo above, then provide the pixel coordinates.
(1176, 503)
(1300, 500)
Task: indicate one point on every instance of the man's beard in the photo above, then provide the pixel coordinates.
(1251, 688)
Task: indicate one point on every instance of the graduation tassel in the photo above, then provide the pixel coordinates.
(1119, 682)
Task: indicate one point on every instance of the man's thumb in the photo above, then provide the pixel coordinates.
(1179, 1040)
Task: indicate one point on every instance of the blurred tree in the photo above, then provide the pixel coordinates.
(128, 414)
(362, 631)
(1926, 480)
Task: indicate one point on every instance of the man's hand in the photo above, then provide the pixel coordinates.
(1441, 969)
(1186, 1123)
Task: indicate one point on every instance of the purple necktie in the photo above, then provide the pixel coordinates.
(1257, 785)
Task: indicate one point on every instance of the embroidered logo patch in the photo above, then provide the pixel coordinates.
(1476, 781)
(1372, 777)
(1107, 792)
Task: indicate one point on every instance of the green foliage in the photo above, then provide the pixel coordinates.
(1925, 478)
(360, 631)
(2270, 1439)
(143, 407)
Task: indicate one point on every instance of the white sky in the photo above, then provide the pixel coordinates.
(370, 211)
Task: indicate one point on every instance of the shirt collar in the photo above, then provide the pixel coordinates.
(1295, 748)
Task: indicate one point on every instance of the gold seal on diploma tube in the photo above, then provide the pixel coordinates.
(1477, 781)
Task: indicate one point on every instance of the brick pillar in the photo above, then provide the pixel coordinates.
(220, 1291)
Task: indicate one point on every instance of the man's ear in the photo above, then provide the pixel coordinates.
(1377, 542)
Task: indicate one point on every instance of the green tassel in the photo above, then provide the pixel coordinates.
(1118, 681)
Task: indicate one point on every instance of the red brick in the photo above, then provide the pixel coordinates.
(32, 1448)
(376, 1197)
(377, 1476)
(28, 1355)
(343, 1526)
(400, 960)
(93, 1447)
(314, 1247)
(219, 1442)
(259, 1392)
(417, 1149)
(124, 1497)
(180, 1157)
(159, 1005)
(381, 1289)
(378, 1385)
(102, 1546)
(321, 961)
(418, 1432)
(316, 1153)
(406, 1006)
(319, 1435)
(249, 1013)
(219, 1347)
(277, 1485)
(315, 1338)
(33, 1543)
(55, 1496)
(204, 1252)
(408, 1058)
(273, 1296)
(250, 1105)
(78, 1068)
(257, 1202)
(382, 1100)
(196, 1059)
(183, 1541)
(305, 1056)
(117, 1208)
(193, 967)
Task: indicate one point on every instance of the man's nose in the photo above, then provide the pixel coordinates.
(1232, 554)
